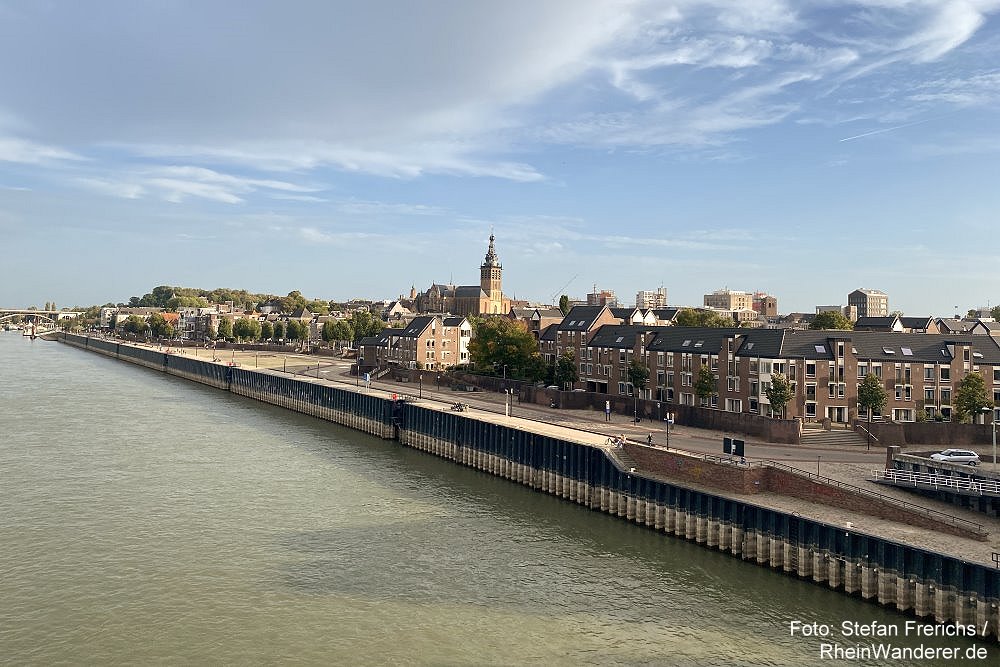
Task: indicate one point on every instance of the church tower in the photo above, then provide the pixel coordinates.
(491, 279)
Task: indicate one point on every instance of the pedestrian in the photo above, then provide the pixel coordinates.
(649, 439)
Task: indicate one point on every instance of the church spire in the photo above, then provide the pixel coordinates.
(491, 256)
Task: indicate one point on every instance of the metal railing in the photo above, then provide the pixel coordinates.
(867, 432)
(932, 480)
(928, 512)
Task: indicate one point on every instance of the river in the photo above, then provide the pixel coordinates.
(147, 519)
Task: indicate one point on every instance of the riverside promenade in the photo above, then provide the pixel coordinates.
(851, 465)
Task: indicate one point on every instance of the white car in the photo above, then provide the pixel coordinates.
(957, 456)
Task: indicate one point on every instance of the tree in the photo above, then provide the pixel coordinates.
(363, 324)
(159, 327)
(246, 328)
(114, 321)
(897, 313)
(327, 333)
(225, 329)
(279, 331)
(778, 393)
(638, 375)
(134, 325)
(318, 307)
(699, 317)
(971, 397)
(995, 313)
(292, 329)
(342, 331)
(266, 330)
(566, 369)
(564, 304)
(872, 396)
(706, 384)
(501, 343)
(831, 319)
(972, 314)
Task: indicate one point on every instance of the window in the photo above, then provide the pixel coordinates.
(810, 392)
(862, 371)
(699, 343)
(749, 346)
(734, 405)
(810, 369)
(753, 369)
(685, 343)
(928, 373)
(821, 349)
(810, 409)
(945, 374)
(621, 388)
(946, 397)
(888, 350)
(928, 395)
(899, 392)
(996, 374)
(832, 389)
(907, 352)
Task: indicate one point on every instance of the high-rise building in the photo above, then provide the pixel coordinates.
(765, 304)
(604, 297)
(651, 298)
(869, 302)
(725, 299)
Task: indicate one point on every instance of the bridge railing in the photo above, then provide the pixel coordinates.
(946, 482)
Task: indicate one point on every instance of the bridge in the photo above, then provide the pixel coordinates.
(30, 314)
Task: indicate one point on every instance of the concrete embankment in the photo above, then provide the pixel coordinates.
(578, 467)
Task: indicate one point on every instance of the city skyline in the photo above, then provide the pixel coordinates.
(802, 149)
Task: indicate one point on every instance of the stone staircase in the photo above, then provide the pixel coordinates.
(816, 436)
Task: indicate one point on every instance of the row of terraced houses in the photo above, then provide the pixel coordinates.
(920, 371)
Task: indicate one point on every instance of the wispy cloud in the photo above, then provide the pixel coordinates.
(23, 151)
(177, 183)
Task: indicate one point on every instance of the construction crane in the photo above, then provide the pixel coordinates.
(555, 295)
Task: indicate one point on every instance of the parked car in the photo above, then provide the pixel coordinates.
(957, 456)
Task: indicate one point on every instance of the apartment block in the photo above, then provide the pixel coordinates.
(869, 302)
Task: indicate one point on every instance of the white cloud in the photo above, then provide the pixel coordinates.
(177, 183)
(23, 151)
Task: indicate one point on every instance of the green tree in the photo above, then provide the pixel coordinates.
(159, 327)
(831, 319)
(778, 393)
(498, 342)
(328, 333)
(293, 302)
(699, 317)
(266, 330)
(246, 328)
(566, 369)
(279, 331)
(872, 396)
(995, 313)
(176, 302)
(972, 314)
(343, 332)
(706, 384)
(318, 307)
(292, 329)
(225, 330)
(134, 325)
(363, 324)
(971, 397)
(114, 321)
(564, 304)
(638, 374)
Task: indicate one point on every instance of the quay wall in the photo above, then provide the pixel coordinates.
(925, 584)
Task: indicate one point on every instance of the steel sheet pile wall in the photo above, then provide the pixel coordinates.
(206, 372)
(140, 355)
(357, 410)
(925, 584)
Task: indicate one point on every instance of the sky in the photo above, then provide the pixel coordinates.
(353, 149)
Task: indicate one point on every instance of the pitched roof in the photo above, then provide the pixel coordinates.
(580, 318)
(548, 333)
(453, 321)
(620, 336)
(916, 322)
(469, 291)
(416, 326)
(875, 323)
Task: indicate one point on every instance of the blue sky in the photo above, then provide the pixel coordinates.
(353, 149)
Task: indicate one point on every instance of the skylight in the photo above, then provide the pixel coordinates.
(699, 343)
(907, 352)
(888, 350)
(685, 343)
(977, 355)
(572, 322)
(749, 346)
(821, 349)
(620, 339)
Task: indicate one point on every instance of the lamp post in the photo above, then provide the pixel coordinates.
(994, 440)
(420, 384)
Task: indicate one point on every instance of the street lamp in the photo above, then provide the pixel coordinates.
(420, 383)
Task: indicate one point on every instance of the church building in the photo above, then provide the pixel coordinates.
(486, 298)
